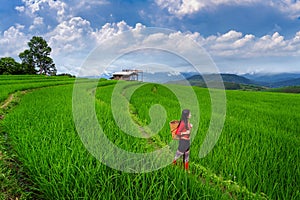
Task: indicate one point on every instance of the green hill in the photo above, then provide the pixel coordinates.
(231, 81)
(231, 78)
(290, 89)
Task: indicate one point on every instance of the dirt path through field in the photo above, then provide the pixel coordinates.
(5, 104)
(7, 101)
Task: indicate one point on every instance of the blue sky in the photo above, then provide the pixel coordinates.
(241, 36)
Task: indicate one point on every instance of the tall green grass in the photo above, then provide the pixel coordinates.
(13, 83)
(259, 145)
(258, 148)
(260, 142)
(59, 167)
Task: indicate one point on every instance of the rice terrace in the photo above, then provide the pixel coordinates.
(42, 156)
(150, 100)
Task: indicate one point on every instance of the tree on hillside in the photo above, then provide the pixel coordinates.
(37, 56)
(27, 62)
(8, 65)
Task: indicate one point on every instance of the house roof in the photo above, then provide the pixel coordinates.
(123, 73)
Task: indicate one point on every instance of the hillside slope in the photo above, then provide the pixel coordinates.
(231, 81)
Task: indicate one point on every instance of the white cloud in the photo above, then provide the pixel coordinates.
(14, 41)
(296, 39)
(229, 36)
(106, 31)
(228, 44)
(69, 39)
(237, 45)
(70, 36)
(62, 9)
(109, 30)
(32, 7)
(270, 43)
(72, 40)
(20, 8)
(232, 45)
(291, 7)
(181, 8)
(37, 22)
(243, 41)
(87, 4)
(185, 7)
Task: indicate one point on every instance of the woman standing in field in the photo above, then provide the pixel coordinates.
(183, 131)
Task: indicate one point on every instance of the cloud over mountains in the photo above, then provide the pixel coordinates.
(72, 30)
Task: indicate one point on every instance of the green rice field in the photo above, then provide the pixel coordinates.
(256, 157)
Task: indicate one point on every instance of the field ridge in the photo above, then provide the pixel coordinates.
(13, 181)
(14, 184)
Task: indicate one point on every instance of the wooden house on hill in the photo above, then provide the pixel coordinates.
(127, 75)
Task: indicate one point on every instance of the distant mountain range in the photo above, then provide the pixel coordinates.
(275, 80)
(231, 81)
(272, 78)
(256, 80)
(231, 78)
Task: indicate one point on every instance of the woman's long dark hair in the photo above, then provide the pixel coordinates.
(184, 117)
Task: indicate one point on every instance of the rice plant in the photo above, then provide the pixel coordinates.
(256, 156)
